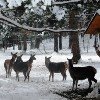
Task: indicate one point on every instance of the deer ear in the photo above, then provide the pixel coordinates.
(33, 55)
(11, 53)
(21, 55)
(50, 57)
(16, 52)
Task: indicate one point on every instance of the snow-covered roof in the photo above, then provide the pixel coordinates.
(98, 11)
(94, 25)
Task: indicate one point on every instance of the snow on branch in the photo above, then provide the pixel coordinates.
(13, 23)
(64, 30)
(6, 23)
(98, 11)
(64, 2)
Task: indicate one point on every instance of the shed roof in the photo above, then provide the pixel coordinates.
(94, 25)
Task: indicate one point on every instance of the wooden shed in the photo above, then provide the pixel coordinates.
(94, 25)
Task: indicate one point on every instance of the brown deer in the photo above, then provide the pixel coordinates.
(8, 64)
(53, 67)
(25, 67)
(81, 73)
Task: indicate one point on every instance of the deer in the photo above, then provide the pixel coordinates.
(53, 67)
(18, 60)
(24, 67)
(8, 64)
(81, 73)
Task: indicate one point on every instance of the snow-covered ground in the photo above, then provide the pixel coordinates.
(39, 87)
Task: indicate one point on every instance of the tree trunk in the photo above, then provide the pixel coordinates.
(73, 37)
(60, 41)
(75, 47)
(38, 41)
(25, 42)
(56, 42)
(70, 40)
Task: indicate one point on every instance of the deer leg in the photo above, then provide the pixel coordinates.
(24, 75)
(10, 71)
(64, 76)
(52, 77)
(90, 83)
(6, 73)
(17, 76)
(73, 84)
(28, 75)
(5, 69)
(49, 76)
(76, 83)
(93, 79)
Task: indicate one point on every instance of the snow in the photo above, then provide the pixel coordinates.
(58, 12)
(39, 87)
(98, 11)
(2, 3)
(94, 93)
(13, 3)
(38, 11)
